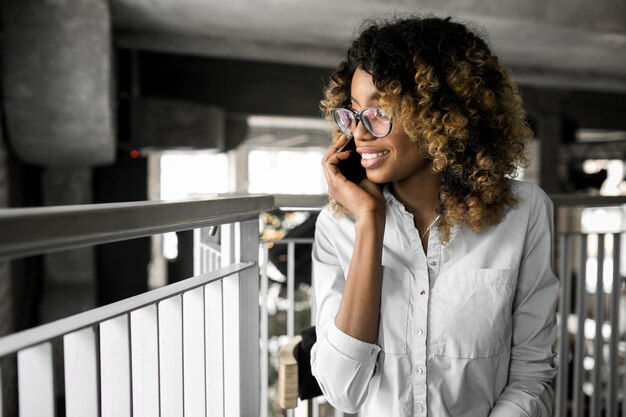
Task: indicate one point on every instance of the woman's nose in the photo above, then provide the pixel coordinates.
(361, 134)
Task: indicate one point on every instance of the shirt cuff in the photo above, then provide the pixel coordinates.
(353, 348)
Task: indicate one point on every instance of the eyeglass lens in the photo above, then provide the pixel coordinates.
(374, 120)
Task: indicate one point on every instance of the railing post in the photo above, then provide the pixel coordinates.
(81, 373)
(240, 243)
(115, 387)
(36, 381)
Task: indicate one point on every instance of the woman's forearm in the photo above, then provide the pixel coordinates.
(359, 312)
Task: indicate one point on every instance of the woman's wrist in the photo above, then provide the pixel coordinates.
(371, 222)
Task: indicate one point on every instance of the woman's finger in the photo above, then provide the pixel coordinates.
(335, 146)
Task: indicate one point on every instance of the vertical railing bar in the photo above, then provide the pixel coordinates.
(115, 372)
(615, 296)
(80, 372)
(1, 391)
(144, 356)
(564, 307)
(130, 360)
(197, 252)
(579, 353)
(36, 381)
(204, 326)
(264, 333)
(315, 406)
(193, 352)
(596, 399)
(98, 368)
(291, 288)
(291, 296)
(158, 324)
(182, 348)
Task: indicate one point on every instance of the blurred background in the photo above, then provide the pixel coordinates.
(130, 100)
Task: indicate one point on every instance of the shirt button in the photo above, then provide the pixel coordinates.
(420, 332)
(433, 263)
(420, 408)
(423, 292)
(420, 371)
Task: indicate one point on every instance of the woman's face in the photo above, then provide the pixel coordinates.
(393, 158)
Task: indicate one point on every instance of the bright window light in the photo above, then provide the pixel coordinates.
(186, 174)
(286, 172)
(200, 173)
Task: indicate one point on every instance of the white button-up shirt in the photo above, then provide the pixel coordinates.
(466, 330)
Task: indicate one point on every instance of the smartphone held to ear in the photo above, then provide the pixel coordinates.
(351, 168)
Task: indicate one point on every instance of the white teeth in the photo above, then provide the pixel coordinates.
(373, 155)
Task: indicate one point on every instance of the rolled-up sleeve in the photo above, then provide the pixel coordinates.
(532, 369)
(342, 365)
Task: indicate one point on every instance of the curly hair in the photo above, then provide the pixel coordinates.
(455, 100)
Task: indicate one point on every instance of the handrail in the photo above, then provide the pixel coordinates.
(27, 338)
(28, 231)
(586, 200)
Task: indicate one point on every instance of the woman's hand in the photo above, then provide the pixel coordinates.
(365, 200)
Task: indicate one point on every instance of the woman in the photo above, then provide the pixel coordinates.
(433, 281)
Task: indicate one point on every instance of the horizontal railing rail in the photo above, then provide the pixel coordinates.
(586, 200)
(29, 231)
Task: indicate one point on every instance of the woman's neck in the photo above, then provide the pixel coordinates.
(420, 196)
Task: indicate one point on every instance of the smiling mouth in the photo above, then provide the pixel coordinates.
(373, 155)
(373, 159)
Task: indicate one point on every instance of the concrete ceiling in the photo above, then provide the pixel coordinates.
(575, 44)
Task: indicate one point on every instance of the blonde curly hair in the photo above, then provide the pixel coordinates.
(454, 98)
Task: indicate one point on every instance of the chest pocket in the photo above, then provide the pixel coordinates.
(394, 311)
(470, 312)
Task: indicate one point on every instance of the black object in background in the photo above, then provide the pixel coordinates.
(308, 386)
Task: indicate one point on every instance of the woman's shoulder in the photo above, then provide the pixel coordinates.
(532, 201)
(330, 219)
(529, 195)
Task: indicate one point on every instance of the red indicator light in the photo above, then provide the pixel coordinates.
(134, 154)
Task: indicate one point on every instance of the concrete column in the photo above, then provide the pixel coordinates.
(157, 270)
(8, 376)
(238, 169)
(57, 81)
(550, 138)
(6, 305)
(70, 278)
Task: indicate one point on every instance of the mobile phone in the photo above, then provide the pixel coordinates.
(351, 168)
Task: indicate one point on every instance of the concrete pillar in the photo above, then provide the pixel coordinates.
(6, 304)
(237, 130)
(550, 139)
(8, 377)
(57, 81)
(157, 269)
(69, 276)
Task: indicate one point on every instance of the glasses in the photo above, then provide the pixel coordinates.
(374, 119)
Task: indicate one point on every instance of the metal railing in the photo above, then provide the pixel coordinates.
(140, 356)
(591, 347)
(187, 348)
